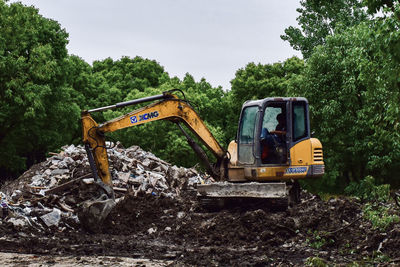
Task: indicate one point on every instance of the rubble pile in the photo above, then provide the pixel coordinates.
(49, 194)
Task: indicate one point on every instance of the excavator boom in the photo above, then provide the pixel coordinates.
(169, 108)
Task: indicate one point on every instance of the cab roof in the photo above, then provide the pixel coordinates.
(261, 102)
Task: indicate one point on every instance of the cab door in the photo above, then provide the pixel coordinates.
(247, 135)
(300, 125)
(274, 133)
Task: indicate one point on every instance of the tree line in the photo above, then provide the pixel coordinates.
(349, 73)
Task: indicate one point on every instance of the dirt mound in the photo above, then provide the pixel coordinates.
(332, 231)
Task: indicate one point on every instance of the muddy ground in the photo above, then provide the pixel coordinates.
(179, 232)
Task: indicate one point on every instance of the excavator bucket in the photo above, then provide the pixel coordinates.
(92, 213)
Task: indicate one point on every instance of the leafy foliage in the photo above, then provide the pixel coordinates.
(351, 79)
(367, 189)
(318, 239)
(351, 83)
(36, 112)
(376, 5)
(319, 19)
(257, 81)
(316, 262)
(379, 216)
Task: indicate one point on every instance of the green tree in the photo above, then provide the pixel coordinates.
(352, 83)
(124, 75)
(319, 19)
(261, 81)
(377, 5)
(36, 112)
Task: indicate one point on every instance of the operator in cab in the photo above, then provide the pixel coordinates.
(270, 141)
(281, 123)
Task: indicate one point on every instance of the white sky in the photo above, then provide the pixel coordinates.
(206, 38)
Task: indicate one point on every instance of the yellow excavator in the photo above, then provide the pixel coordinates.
(272, 150)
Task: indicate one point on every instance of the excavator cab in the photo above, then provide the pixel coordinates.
(269, 128)
(274, 141)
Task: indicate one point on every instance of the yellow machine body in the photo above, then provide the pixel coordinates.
(306, 161)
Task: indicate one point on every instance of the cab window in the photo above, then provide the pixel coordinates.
(299, 121)
(270, 121)
(247, 134)
(247, 125)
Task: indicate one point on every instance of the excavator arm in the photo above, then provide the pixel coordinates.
(168, 107)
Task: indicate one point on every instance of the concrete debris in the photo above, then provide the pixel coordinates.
(152, 230)
(52, 193)
(51, 218)
(17, 222)
(181, 214)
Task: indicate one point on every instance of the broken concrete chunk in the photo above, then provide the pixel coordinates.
(88, 181)
(124, 176)
(16, 195)
(37, 180)
(17, 222)
(53, 182)
(181, 214)
(52, 218)
(146, 163)
(62, 165)
(68, 160)
(157, 169)
(47, 173)
(55, 162)
(164, 168)
(59, 172)
(71, 150)
(151, 230)
(125, 167)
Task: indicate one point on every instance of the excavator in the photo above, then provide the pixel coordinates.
(272, 150)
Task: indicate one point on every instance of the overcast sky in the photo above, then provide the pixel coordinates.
(206, 38)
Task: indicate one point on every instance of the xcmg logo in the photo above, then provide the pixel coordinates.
(144, 117)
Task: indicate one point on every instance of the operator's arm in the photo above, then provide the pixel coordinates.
(171, 108)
